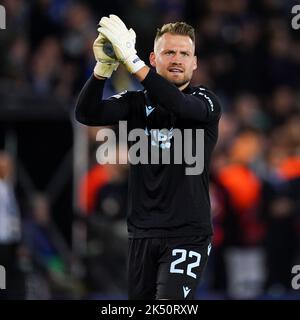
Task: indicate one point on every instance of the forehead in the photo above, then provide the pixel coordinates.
(170, 41)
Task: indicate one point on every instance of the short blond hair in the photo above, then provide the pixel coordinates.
(176, 28)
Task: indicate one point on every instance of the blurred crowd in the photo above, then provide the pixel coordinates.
(249, 55)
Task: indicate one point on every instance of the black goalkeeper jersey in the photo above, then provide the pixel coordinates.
(163, 200)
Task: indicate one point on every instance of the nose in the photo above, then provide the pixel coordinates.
(176, 59)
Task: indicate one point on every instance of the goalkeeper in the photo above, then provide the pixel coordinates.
(169, 220)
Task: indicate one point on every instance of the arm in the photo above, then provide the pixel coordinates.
(201, 106)
(92, 111)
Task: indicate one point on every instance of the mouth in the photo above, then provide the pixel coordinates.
(175, 70)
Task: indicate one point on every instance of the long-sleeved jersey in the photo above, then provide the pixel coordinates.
(163, 200)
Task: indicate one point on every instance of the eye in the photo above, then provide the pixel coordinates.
(169, 53)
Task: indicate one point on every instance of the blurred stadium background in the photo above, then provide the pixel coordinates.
(65, 237)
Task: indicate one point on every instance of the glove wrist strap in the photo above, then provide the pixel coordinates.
(105, 69)
(134, 63)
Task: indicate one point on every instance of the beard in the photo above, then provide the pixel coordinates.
(177, 81)
(180, 82)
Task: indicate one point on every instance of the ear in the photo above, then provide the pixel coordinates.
(195, 64)
(152, 59)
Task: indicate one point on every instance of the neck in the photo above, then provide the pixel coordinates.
(182, 87)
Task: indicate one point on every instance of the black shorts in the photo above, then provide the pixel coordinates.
(166, 268)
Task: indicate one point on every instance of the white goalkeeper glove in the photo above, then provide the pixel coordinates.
(105, 56)
(123, 41)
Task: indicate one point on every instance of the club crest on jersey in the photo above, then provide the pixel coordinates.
(160, 138)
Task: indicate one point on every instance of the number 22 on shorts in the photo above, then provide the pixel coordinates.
(182, 257)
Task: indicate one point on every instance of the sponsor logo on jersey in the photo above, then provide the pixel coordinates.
(149, 109)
